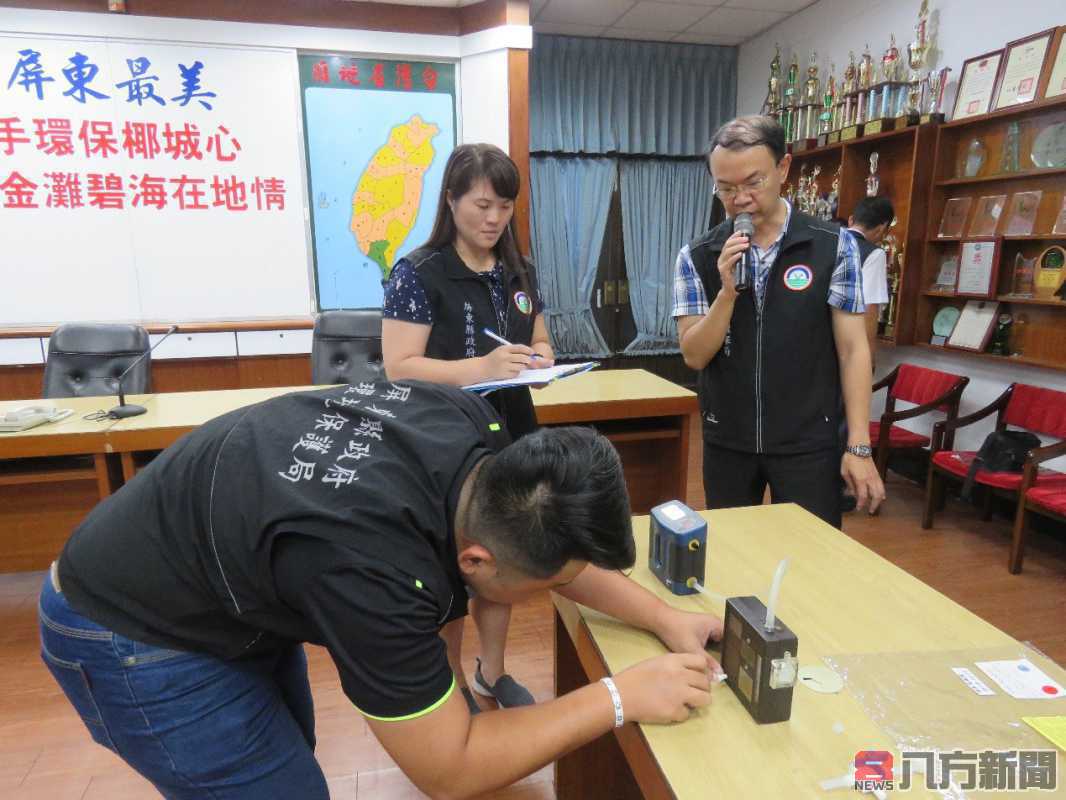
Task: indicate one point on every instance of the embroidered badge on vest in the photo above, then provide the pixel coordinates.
(798, 278)
(523, 303)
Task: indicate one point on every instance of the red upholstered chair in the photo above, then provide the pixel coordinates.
(1042, 411)
(930, 390)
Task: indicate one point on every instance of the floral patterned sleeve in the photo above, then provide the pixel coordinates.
(405, 296)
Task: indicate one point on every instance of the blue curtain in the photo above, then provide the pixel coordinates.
(570, 199)
(665, 204)
(611, 95)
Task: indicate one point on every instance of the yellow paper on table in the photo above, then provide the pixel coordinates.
(1051, 728)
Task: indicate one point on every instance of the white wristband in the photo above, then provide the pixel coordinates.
(619, 717)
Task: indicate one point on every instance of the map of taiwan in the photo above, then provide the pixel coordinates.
(389, 192)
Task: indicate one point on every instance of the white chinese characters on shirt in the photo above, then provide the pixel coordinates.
(311, 445)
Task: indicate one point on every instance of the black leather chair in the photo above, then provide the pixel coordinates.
(86, 360)
(346, 347)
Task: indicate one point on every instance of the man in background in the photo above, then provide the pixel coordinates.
(868, 224)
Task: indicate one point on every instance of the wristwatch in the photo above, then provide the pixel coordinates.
(860, 450)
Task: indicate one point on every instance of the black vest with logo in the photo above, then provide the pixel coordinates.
(454, 291)
(774, 386)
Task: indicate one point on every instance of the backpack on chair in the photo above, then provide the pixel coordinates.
(1001, 451)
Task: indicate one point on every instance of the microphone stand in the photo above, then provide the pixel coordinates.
(124, 409)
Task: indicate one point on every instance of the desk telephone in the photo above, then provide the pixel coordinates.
(19, 419)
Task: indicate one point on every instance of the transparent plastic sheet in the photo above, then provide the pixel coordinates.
(918, 701)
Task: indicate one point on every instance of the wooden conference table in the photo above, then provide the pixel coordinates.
(646, 417)
(839, 598)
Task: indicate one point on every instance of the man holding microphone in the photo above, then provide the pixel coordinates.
(776, 350)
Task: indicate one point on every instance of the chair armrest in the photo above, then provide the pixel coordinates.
(888, 380)
(976, 416)
(953, 393)
(1038, 455)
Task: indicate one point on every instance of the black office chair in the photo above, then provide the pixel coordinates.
(86, 360)
(346, 347)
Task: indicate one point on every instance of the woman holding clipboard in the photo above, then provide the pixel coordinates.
(445, 304)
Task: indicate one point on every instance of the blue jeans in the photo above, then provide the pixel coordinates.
(193, 725)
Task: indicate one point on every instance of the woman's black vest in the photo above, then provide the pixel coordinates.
(462, 308)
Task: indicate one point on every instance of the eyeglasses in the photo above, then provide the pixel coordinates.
(749, 188)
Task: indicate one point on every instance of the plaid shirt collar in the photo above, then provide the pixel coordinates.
(764, 258)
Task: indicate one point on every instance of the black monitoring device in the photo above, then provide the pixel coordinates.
(759, 655)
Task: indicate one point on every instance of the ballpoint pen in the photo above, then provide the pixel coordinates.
(496, 337)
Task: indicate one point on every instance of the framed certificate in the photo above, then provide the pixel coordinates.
(955, 211)
(986, 217)
(978, 269)
(1056, 83)
(977, 84)
(974, 326)
(1023, 69)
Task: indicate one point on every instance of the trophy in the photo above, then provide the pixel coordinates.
(806, 127)
(812, 191)
(890, 62)
(851, 116)
(1008, 160)
(916, 53)
(866, 77)
(894, 256)
(834, 193)
(937, 82)
(801, 188)
(1024, 277)
(1000, 344)
(873, 183)
(885, 97)
(772, 105)
(788, 110)
(848, 86)
(829, 103)
(973, 159)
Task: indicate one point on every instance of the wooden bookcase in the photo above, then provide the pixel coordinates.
(1038, 334)
(905, 169)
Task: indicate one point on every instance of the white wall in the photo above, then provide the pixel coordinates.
(484, 99)
(962, 28)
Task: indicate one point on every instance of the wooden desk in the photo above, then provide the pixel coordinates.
(74, 435)
(839, 598)
(646, 417)
(71, 436)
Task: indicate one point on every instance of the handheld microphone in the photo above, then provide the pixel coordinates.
(742, 269)
(124, 409)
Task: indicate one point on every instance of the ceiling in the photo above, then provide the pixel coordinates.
(696, 21)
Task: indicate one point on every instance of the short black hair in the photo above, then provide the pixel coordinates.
(555, 495)
(753, 131)
(873, 211)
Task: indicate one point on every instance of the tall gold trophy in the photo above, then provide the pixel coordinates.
(916, 55)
